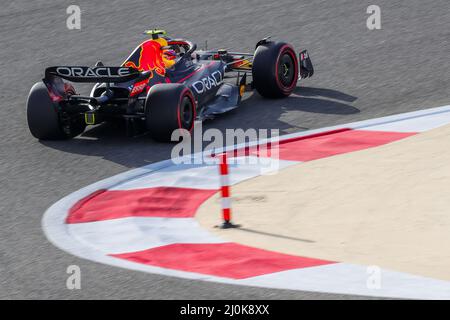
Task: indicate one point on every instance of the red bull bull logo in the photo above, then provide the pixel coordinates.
(148, 57)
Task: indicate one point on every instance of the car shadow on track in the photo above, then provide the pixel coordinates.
(298, 112)
(326, 101)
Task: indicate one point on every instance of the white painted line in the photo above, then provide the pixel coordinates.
(138, 233)
(203, 176)
(414, 123)
(353, 279)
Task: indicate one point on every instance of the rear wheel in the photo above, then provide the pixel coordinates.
(169, 107)
(45, 120)
(275, 69)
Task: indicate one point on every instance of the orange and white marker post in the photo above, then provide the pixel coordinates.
(225, 192)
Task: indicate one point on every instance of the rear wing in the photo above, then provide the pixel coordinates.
(93, 74)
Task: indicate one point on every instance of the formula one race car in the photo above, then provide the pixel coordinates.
(164, 85)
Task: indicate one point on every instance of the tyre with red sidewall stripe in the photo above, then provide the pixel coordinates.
(169, 107)
(275, 69)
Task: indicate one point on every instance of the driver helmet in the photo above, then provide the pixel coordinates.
(168, 55)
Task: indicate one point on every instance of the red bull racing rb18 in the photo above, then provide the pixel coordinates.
(164, 85)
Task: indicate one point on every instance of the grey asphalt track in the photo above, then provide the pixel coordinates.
(360, 74)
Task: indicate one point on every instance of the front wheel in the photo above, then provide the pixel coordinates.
(275, 69)
(44, 119)
(169, 107)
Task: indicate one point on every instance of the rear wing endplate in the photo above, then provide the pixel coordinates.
(306, 66)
